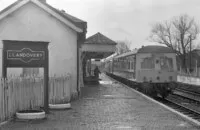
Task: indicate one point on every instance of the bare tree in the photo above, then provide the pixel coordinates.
(177, 34)
(123, 46)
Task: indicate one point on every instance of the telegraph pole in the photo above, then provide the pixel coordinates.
(190, 52)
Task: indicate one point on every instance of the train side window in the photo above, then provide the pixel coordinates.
(157, 61)
(132, 65)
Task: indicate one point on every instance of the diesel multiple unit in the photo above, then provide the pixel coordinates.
(153, 68)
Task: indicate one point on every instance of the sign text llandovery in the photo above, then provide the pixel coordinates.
(26, 55)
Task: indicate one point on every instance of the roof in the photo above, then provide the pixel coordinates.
(72, 20)
(99, 38)
(110, 57)
(127, 54)
(155, 49)
(78, 22)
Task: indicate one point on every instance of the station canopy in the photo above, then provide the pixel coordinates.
(98, 46)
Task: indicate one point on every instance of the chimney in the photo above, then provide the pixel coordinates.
(44, 1)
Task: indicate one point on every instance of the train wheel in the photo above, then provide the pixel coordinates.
(164, 95)
(148, 89)
(172, 86)
(144, 87)
(153, 91)
(164, 90)
(140, 87)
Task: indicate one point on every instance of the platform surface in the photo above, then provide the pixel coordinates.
(107, 106)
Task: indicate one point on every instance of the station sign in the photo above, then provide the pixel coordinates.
(27, 54)
(24, 53)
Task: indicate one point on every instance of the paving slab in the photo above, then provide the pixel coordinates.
(107, 106)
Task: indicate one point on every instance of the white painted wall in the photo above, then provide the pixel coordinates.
(32, 23)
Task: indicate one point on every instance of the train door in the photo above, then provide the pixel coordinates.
(157, 63)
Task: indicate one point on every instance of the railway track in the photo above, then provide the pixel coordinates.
(186, 102)
(182, 101)
(184, 106)
(195, 96)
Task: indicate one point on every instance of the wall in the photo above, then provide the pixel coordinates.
(32, 23)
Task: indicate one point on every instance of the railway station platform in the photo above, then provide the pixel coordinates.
(107, 106)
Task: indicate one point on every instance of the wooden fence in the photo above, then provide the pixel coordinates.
(188, 79)
(27, 93)
(194, 73)
(59, 89)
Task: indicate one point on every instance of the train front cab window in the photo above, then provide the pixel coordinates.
(148, 63)
(161, 63)
(166, 63)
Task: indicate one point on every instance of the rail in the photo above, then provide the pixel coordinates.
(183, 107)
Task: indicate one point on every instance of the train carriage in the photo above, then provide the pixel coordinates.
(152, 67)
(124, 65)
(156, 69)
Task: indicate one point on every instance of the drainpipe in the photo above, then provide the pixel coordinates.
(80, 40)
(78, 70)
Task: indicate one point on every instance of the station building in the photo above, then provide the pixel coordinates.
(69, 50)
(36, 20)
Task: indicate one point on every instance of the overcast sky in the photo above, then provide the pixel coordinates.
(124, 19)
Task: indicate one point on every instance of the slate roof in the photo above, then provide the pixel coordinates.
(77, 22)
(155, 49)
(99, 38)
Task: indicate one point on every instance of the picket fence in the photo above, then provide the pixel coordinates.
(188, 79)
(27, 93)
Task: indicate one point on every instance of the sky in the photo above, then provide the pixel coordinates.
(124, 20)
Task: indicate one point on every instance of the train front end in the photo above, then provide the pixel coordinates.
(156, 69)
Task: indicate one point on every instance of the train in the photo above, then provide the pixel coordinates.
(152, 67)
